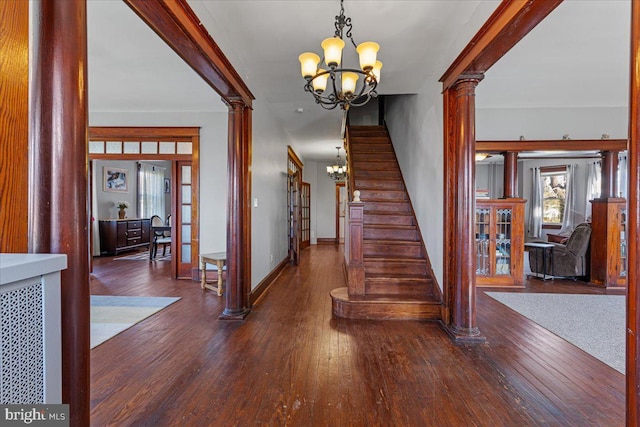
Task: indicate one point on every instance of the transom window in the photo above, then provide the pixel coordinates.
(554, 192)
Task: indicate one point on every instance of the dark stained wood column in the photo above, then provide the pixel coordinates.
(633, 227)
(14, 126)
(247, 153)
(59, 180)
(510, 175)
(609, 183)
(235, 290)
(463, 313)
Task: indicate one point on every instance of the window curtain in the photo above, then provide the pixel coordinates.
(594, 176)
(535, 204)
(622, 175)
(150, 191)
(569, 215)
(95, 230)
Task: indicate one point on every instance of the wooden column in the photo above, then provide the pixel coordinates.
(463, 315)
(633, 227)
(609, 183)
(235, 291)
(247, 125)
(14, 126)
(355, 269)
(58, 216)
(510, 175)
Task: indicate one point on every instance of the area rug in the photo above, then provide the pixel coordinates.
(111, 315)
(144, 256)
(594, 323)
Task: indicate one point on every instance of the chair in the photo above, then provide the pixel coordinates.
(159, 237)
(568, 260)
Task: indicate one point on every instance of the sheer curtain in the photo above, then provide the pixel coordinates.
(569, 214)
(150, 191)
(594, 174)
(622, 175)
(535, 204)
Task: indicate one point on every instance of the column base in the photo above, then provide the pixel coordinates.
(234, 314)
(464, 335)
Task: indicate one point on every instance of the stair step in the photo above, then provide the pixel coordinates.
(373, 157)
(384, 307)
(390, 248)
(383, 218)
(373, 184)
(380, 266)
(383, 195)
(391, 232)
(378, 174)
(377, 165)
(371, 147)
(393, 207)
(398, 286)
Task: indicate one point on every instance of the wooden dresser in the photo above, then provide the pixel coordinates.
(119, 235)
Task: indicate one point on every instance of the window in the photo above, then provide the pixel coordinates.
(554, 192)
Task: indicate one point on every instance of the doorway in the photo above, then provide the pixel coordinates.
(341, 205)
(294, 205)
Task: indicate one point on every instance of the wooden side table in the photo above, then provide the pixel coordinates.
(217, 258)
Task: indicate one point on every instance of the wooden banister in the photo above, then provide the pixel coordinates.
(355, 266)
(350, 176)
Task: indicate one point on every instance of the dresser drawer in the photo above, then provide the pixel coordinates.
(134, 241)
(134, 224)
(134, 233)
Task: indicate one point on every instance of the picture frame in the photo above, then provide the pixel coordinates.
(167, 186)
(115, 180)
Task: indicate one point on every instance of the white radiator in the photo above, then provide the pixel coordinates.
(30, 337)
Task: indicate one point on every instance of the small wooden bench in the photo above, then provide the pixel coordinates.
(219, 260)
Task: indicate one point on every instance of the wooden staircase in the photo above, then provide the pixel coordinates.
(398, 280)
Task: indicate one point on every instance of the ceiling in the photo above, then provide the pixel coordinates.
(577, 57)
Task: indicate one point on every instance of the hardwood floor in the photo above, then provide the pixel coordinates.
(291, 363)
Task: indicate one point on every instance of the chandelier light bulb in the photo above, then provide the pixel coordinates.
(367, 52)
(349, 80)
(320, 82)
(308, 64)
(332, 51)
(376, 70)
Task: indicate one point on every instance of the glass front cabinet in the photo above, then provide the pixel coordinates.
(499, 227)
(609, 256)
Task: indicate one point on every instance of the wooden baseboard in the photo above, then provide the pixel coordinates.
(264, 284)
(326, 241)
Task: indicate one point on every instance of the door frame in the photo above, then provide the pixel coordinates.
(338, 186)
(121, 135)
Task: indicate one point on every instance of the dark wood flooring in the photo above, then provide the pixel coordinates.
(290, 363)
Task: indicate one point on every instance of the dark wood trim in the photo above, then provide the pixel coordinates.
(552, 226)
(58, 215)
(167, 157)
(355, 268)
(14, 127)
(552, 145)
(510, 175)
(553, 169)
(264, 285)
(180, 28)
(449, 216)
(142, 133)
(633, 227)
(463, 326)
(511, 21)
(236, 295)
(294, 158)
(338, 185)
(325, 241)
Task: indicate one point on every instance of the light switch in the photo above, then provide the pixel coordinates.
(255, 202)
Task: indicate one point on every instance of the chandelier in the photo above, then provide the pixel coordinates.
(343, 88)
(337, 172)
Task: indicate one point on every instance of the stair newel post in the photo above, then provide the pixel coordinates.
(355, 267)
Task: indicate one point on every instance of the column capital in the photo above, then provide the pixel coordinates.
(234, 104)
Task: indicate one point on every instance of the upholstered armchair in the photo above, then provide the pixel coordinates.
(568, 260)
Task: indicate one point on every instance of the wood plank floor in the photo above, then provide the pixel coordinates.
(289, 363)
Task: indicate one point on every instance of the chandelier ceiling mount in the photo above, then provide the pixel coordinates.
(339, 86)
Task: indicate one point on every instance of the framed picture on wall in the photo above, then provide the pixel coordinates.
(115, 179)
(167, 186)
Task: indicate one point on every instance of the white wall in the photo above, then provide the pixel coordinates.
(326, 203)
(213, 164)
(106, 199)
(415, 126)
(549, 123)
(269, 244)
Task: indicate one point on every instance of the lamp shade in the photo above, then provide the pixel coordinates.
(320, 82)
(376, 70)
(332, 51)
(329, 169)
(367, 52)
(308, 64)
(349, 80)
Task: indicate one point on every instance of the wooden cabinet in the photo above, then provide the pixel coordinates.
(609, 242)
(118, 235)
(500, 242)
